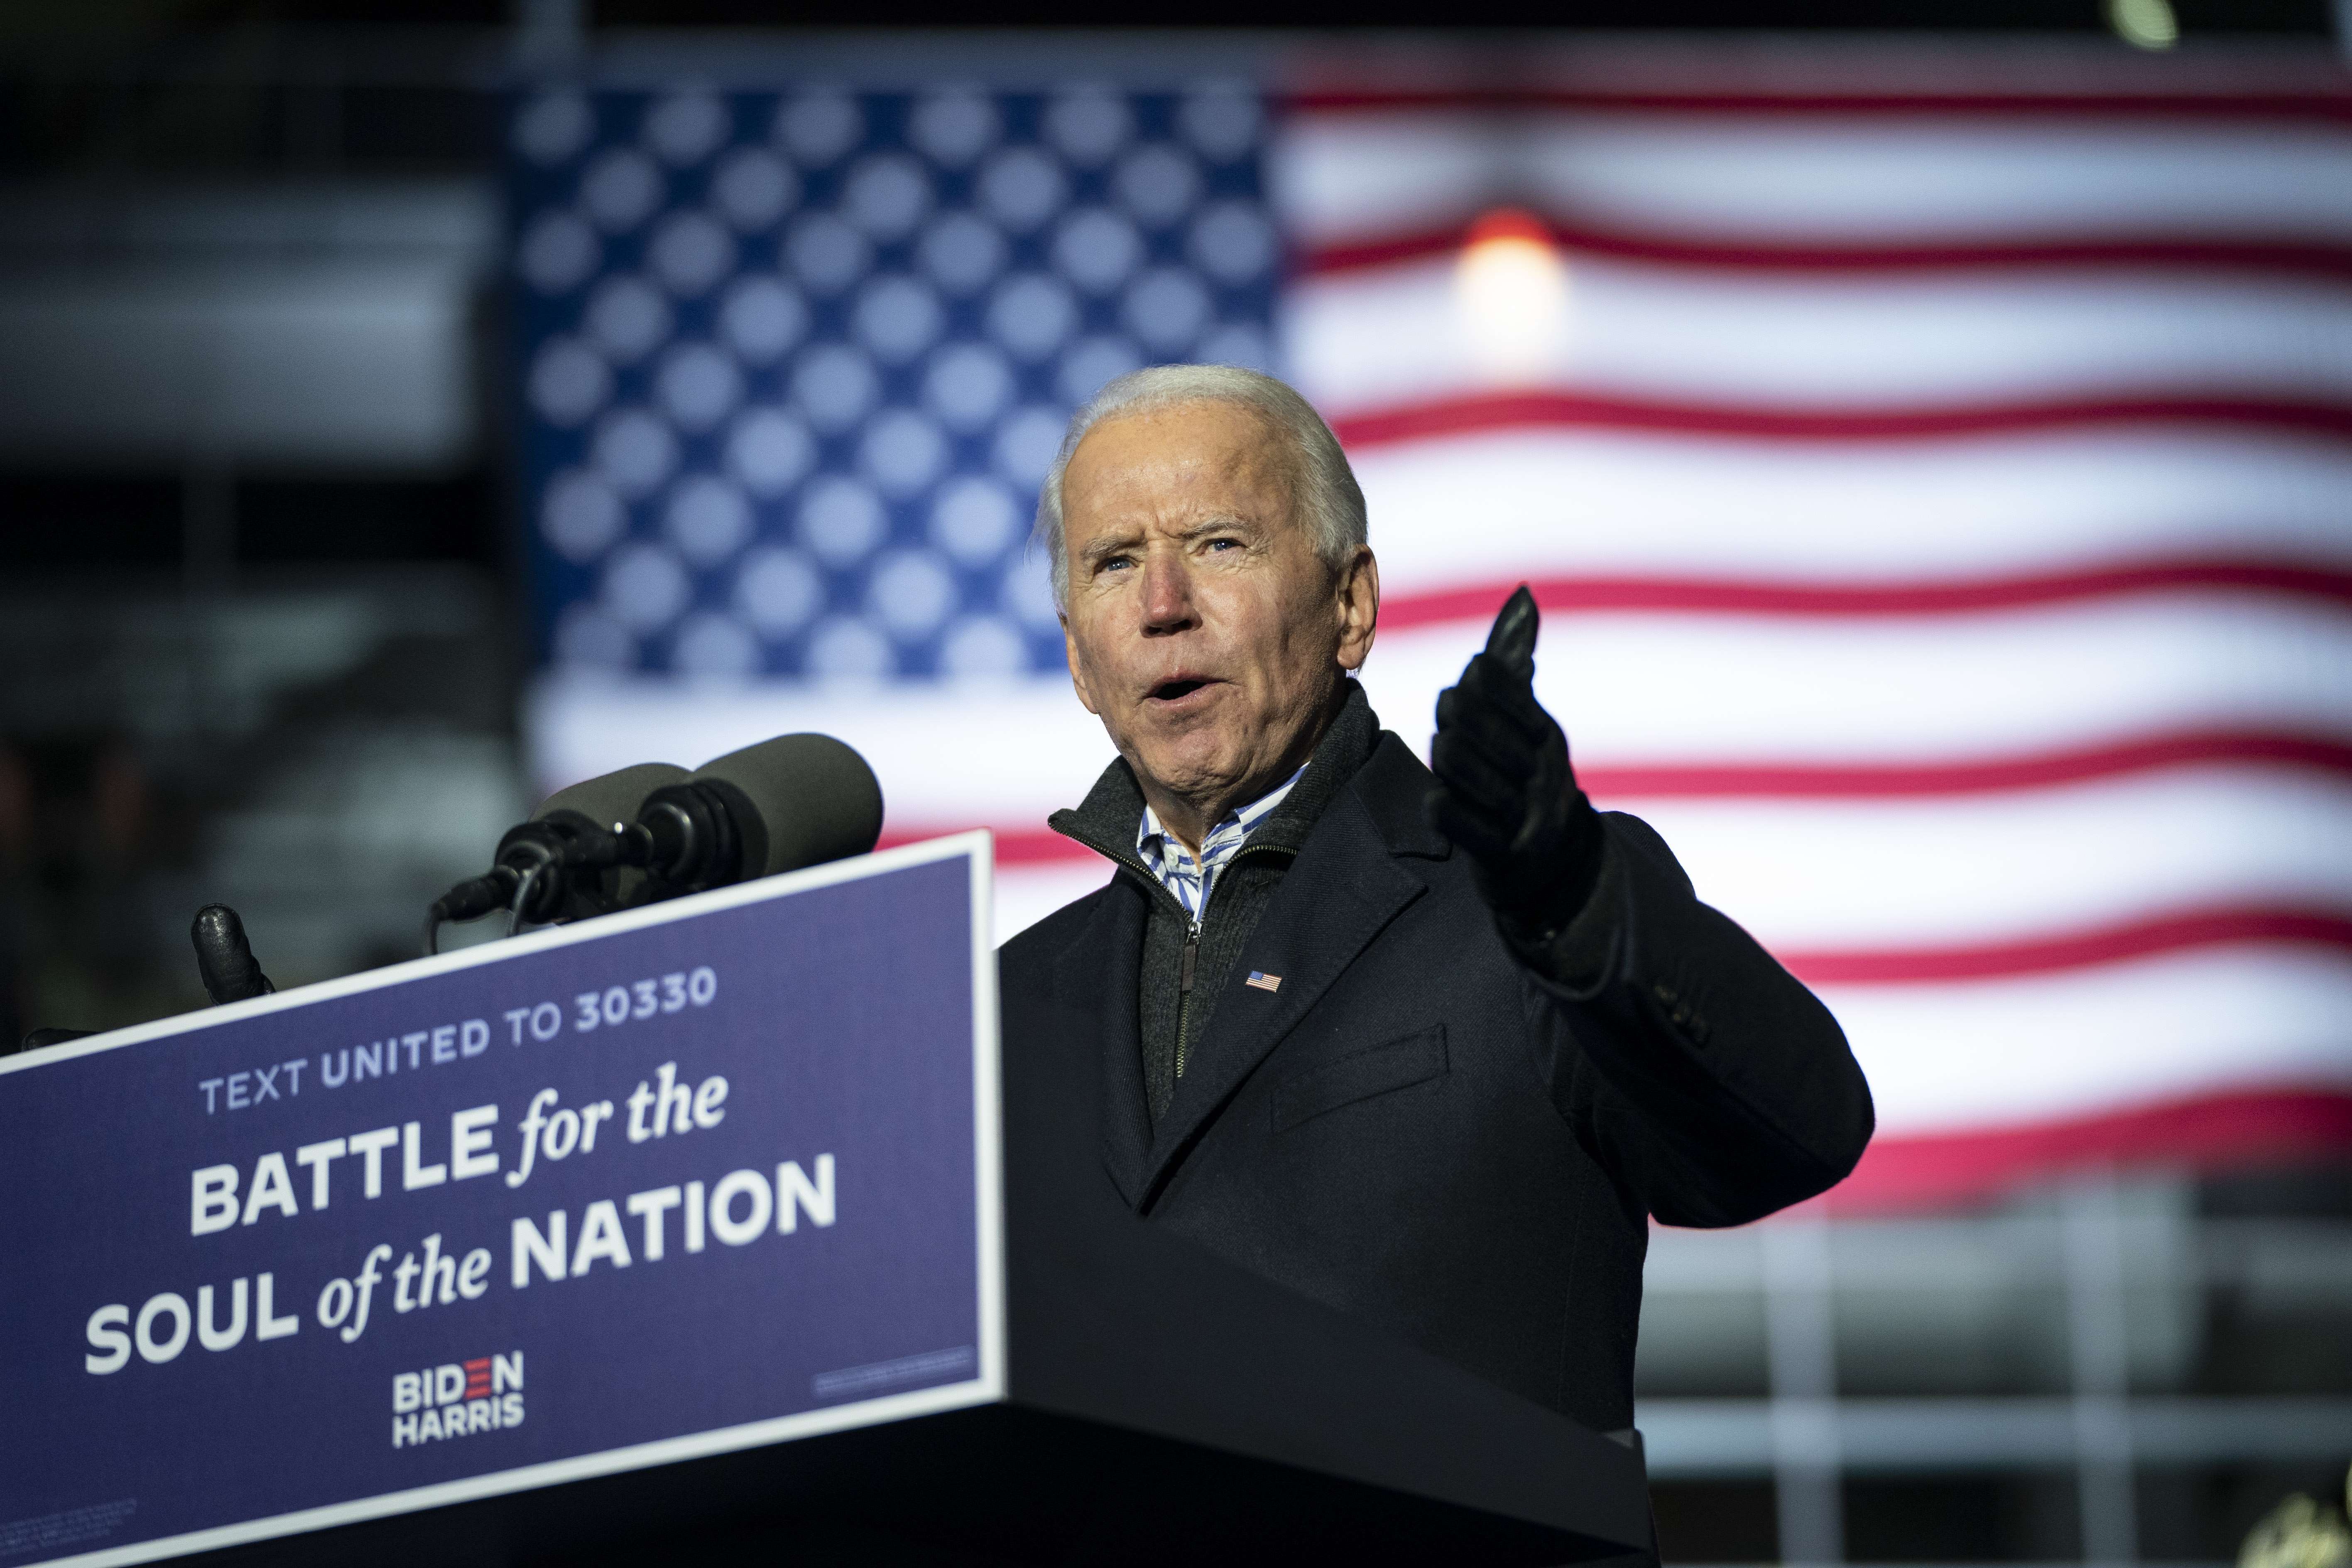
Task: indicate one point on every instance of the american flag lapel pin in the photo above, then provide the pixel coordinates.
(1264, 981)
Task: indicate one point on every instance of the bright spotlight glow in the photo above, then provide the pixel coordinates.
(1510, 289)
(2144, 24)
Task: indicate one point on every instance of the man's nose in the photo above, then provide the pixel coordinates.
(1167, 594)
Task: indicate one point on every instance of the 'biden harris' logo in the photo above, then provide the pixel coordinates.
(457, 1400)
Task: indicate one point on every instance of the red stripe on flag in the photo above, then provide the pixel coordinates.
(1015, 846)
(2208, 1131)
(2142, 938)
(1933, 596)
(2270, 256)
(1484, 412)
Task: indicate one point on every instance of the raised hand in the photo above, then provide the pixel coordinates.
(1505, 790)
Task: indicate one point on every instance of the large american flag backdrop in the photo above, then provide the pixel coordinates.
(1939, 495)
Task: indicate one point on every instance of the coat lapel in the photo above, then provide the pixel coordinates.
(1101, 975)
(1344, 886)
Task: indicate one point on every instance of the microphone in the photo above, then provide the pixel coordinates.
(568, 827)
(786, 803)
(795, 801)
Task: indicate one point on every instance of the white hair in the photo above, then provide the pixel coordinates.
(1327, 497)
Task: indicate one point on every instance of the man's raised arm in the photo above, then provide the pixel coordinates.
(1703, 1073)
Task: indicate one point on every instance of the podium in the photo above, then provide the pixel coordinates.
(716, 1232)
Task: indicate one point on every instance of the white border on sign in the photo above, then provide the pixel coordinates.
(987, 1111)
(977, 850)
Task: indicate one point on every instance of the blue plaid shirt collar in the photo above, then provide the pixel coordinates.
(1192, 880)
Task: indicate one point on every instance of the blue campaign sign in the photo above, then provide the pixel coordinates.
(715, 1173)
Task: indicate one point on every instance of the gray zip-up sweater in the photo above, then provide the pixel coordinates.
(1184, 969)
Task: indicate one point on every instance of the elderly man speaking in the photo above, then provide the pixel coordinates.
(1429, 1047)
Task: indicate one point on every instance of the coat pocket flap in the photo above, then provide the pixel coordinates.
(1397, 1064)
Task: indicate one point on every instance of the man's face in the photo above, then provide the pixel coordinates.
(1203, 627)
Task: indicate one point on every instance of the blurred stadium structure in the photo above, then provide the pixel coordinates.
(1932, 460)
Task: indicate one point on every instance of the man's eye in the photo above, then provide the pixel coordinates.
(1224, 545)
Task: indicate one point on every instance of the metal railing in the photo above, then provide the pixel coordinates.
(2115, 1277)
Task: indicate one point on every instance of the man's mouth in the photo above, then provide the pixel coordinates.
(1177, 689)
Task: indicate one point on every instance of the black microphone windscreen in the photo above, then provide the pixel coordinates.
(816, 796)
(612, 797)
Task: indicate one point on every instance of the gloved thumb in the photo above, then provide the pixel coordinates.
(1513, 641)
(223, 958)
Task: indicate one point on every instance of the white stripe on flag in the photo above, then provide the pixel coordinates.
(2014, 864)
(1355, 175)
(1512, 504)
(2003, 1052)
(1724, 687)
(1876, 341)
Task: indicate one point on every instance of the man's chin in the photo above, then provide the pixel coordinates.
(1193, 761)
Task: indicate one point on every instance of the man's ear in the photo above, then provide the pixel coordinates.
(1077, 669)
(1359, 607)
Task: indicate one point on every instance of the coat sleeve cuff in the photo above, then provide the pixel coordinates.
(1581, 958)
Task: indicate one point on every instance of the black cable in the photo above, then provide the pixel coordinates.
(468, 901)
(521, 898)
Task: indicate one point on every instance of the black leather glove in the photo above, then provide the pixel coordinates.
(1506, 793)
(223, 958)
(225, 963)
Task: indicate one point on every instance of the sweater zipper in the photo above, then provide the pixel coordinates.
(1192, 932)
(1184, 993)
(1192, 955)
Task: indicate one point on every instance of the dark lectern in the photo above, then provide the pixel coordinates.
(1163, 1408)
(811, 1291)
